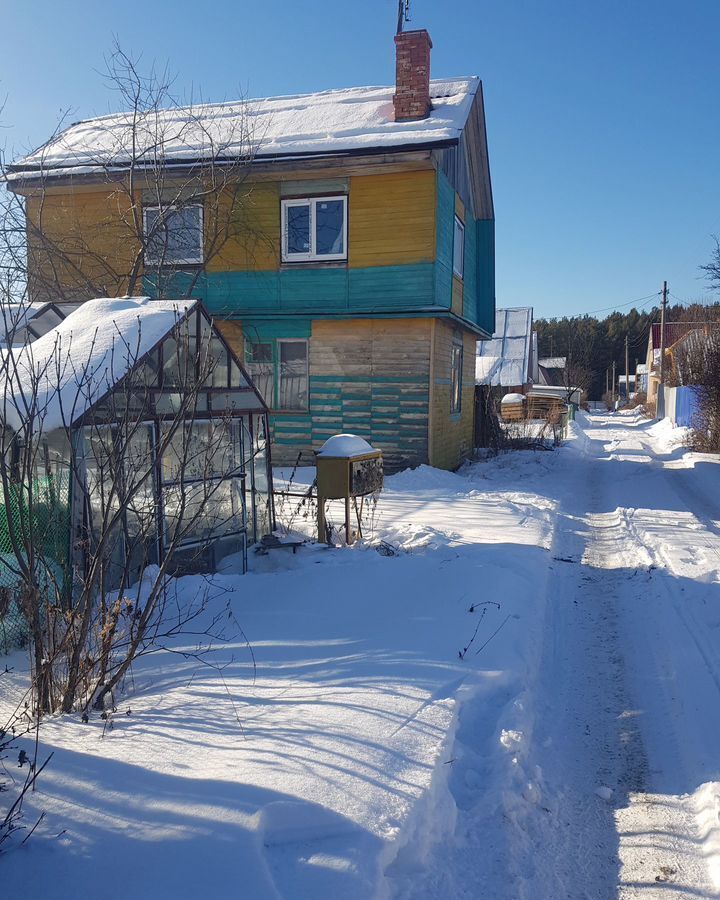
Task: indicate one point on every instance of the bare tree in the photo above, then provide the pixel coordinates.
(82, 457)
(158, 191)
(578, 372)
(712, 269)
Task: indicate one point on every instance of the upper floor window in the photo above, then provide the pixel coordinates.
(314, 228)
(174, 235)
(458, 248)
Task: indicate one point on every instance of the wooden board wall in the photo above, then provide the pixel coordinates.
(451, 434)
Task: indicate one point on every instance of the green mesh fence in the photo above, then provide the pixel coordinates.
(39, 517)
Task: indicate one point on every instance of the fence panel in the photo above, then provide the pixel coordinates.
(687, 405)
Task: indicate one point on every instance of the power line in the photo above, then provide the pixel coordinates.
(623, 305)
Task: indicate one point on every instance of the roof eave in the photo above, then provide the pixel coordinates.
(29, 177)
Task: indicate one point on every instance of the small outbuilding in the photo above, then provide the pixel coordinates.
(132, 437)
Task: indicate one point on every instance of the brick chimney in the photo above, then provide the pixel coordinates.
(412, 75)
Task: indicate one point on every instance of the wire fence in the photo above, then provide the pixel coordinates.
(38, 516)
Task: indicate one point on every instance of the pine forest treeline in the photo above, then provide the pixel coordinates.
(595, 343)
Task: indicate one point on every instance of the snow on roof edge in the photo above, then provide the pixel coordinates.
(335, 121)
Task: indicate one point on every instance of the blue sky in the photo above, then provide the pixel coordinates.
(603, 119)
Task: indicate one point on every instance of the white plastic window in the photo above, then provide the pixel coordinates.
(458, 248)
(314, 228)
(174, 235)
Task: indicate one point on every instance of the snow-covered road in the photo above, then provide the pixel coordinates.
(520, 702)
(612, 790)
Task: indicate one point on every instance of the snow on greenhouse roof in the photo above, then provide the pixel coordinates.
(327, 122)
(73, 366)
(504, 360)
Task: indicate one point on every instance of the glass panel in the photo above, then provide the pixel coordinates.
(237, 379)
(329, 227)
(202, 450)
(298, 228)
(180, 358)
(200, 512)
(174, 235)
(219, 375)
(456, 379)
(146, 374)
(259, 362)
(293, 370)
(458, 248)
(261, 487)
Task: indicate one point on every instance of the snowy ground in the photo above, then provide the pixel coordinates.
(574, 755)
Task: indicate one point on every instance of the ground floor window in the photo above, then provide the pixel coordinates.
(456, 367)
(279, 369)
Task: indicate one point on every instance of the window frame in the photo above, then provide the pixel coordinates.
(168, 210)
(278, 373)
(312, 255)
(456, 374)
(270, 402)
(275, 364)
(459, 226)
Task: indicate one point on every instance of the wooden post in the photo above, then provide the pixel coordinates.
(627, 372)
(662, 332)
(348, 527)
(614, 383)
(322, 534)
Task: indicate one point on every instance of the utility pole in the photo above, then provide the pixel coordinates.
(627, 372)
(613, 384)
(607, 381)
(663, 305)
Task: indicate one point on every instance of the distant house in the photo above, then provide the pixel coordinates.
(507, 360)
(673, 332)
(641, 378)
(364, 275)
(626, 386)
(551, 371)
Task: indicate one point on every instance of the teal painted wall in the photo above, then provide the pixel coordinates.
(444, 242)
(479, 267)
(485, 230)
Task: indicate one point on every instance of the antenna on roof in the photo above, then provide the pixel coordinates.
(403, 14)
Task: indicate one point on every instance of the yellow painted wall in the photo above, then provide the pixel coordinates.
(245, 229)
(233, 334)
(88, 245)
(392, 219)
(451, 435)
(457, 296)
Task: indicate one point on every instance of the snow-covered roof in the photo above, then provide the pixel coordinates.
(641, 369)
(504, 360)
(513, 398)
(552, 362)
(15, 318)
(327, 122)
(73, 366)
(345, 446)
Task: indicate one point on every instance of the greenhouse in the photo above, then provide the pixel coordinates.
(132, 437)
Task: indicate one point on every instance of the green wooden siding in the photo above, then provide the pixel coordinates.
(470, 272)
(389, 412)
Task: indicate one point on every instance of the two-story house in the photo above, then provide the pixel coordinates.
(358, 305)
